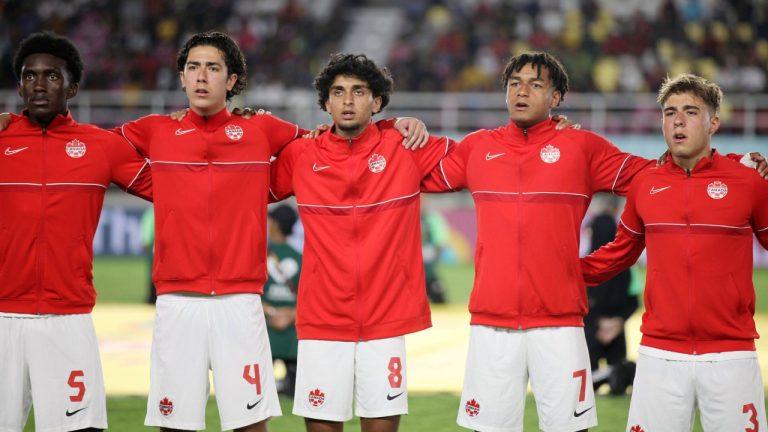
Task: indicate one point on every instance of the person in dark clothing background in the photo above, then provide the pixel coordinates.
(610, 305)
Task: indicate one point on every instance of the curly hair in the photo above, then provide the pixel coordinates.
(708, 91)
(357, 65)
(539, 60)
(55, 45)
(233, 56)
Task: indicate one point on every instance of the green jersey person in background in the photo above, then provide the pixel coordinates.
(279, 299)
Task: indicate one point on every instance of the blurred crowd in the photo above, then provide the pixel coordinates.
(444, 45)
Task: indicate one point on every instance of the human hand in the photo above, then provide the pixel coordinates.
(249, 112)
(564, 123)
(179, 115)
(414, 132)
(5, 121)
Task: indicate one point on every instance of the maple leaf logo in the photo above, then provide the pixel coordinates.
(316, 397)
(166, 407)
(472, 408)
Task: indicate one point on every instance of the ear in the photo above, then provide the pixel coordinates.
(231, 81)
(376, 105)
(714, 124)
(328, 105)
(72, 90)
(18, 89)
(556, 96)
(181, 80)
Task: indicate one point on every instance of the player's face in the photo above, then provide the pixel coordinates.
(688, 126)
(351, 105)
(44, 87)
(205, 80)
(530, 96)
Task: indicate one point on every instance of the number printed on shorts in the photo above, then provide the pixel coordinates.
(395, 372)
(254, 379)
(79, 385)
(750, 408)
(582, 374)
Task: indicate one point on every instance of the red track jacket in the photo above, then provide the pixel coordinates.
(362, 276)
(698, 230)
(211, 179)
(52, 184)
(531, 188)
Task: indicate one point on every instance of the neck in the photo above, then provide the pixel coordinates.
(528, 124)
(207, 112)
(348, 133)
(689, 163)
(44, 121)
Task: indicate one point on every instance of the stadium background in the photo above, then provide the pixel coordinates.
(446, 57)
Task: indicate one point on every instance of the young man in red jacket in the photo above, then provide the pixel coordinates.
(53, 175)
(696, 215)
(531, 185)
(362, 282)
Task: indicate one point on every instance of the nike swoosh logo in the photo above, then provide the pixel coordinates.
(316, 168)
(182, 132)
(70, 414)
(655, 191)
(489, 156)
(579, 414)
(250, 407)
(9, 152)
(390, 397)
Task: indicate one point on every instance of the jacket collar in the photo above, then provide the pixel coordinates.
(540, 132)
(58, 121)
(338, 144)
(704, 164)
(211, 122)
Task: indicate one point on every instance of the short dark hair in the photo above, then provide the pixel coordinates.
(55, 45)
(233, 56)
(708, 91)
(538, 59)
(285, 217)
(357, 65)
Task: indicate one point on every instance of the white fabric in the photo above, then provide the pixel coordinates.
(501, 361)
(51, 362)
(225, 334)
(331, 373)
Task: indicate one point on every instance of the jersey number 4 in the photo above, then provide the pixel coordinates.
(254, 379)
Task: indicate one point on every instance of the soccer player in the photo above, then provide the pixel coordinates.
(53, 175)
(531, 185)
(696, 215)
(362, 282)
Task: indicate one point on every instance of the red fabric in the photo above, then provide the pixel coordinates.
(362, 272)
(531, 189)
(211, 177)
(699, 295)
(50, 203)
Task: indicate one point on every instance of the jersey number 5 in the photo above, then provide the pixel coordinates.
(79, 385)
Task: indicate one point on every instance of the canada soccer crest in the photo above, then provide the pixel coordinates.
(75, 149)
(550, 154)
(717, 190)
(636, 428)
(234, 132)
(472, 408)
(316, 398)
(377, 163)
(166, 407)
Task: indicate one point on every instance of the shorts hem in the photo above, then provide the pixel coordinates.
(235, 424)
(322, 416)
(173, 425)
(380, 414)
(95, 424)
(478, 427)
(571, 427)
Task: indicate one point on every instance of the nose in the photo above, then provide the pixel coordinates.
(202, 75)
(679, 120)
(39, 84)
(348, 98)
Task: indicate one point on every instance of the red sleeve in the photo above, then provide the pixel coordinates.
(129, 169)
(138, 133)
(618, 255)
(278, 132)
(451, 173)
(428, 157)
(281, 171)
(612, 170)
(760, 211)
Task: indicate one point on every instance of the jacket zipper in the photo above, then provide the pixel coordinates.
(41, 230)
(356, 242)
(211, 250)
(519, 228)
(688, 258)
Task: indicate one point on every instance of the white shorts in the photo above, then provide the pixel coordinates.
(501, 361)
(225, 334)
(329, 373)
(728, 393)
(51, 362)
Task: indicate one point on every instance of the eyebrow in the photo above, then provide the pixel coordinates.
(519, 78)
(354, 87)
(198, 63)
(685, 108)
